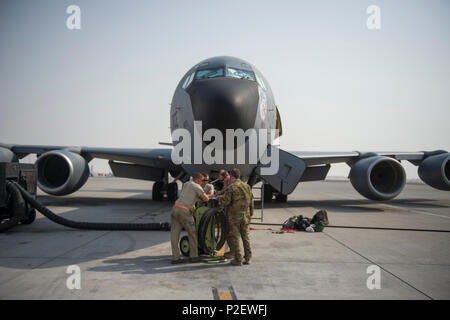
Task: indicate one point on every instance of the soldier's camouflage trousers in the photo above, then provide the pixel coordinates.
(228, 237)
(239, 228)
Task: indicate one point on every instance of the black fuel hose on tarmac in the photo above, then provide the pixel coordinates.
(160, 226)
(19, 194)
(356, 227)
(17, 208)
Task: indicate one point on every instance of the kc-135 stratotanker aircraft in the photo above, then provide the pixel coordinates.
(224, 93)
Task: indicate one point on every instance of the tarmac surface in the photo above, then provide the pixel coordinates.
(334, 264)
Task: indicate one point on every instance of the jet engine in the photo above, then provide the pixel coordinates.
(378, 178)
(61, 172)
(435, 171)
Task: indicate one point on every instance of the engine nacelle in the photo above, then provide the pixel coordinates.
(7, 155)
(61, 172)
(435, 171)
(378, 178)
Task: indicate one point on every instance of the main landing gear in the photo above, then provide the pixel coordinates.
(269, 192)
(161, 189)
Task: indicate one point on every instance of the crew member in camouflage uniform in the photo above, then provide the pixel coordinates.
(238, 202)
(229, 238)
(224, 182)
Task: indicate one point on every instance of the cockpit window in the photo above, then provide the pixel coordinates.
(260, 82)
(188, 80)
(240, 74)
(209, 73)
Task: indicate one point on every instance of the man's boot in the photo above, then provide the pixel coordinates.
(229, 254)
(235, 262)
(177, 261)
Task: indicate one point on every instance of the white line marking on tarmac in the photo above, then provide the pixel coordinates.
(431, 214)
(392, 206)
(407, 209)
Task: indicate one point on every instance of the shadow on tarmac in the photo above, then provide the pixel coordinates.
(152, 265)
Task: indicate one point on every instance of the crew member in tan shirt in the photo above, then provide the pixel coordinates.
(182, 217)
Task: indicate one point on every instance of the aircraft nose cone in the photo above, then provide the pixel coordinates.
(224, 103)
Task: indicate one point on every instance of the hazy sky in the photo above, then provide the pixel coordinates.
(339, 86)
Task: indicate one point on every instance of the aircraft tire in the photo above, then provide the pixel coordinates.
(268, 193)
(157, 194)
(281, 197)
(172, 191)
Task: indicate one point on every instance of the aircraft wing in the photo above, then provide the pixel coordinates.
(317, 158)
(160, 158)
(376, 175)
(64, 169)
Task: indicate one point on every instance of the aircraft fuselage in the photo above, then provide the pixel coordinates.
(222, 93)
